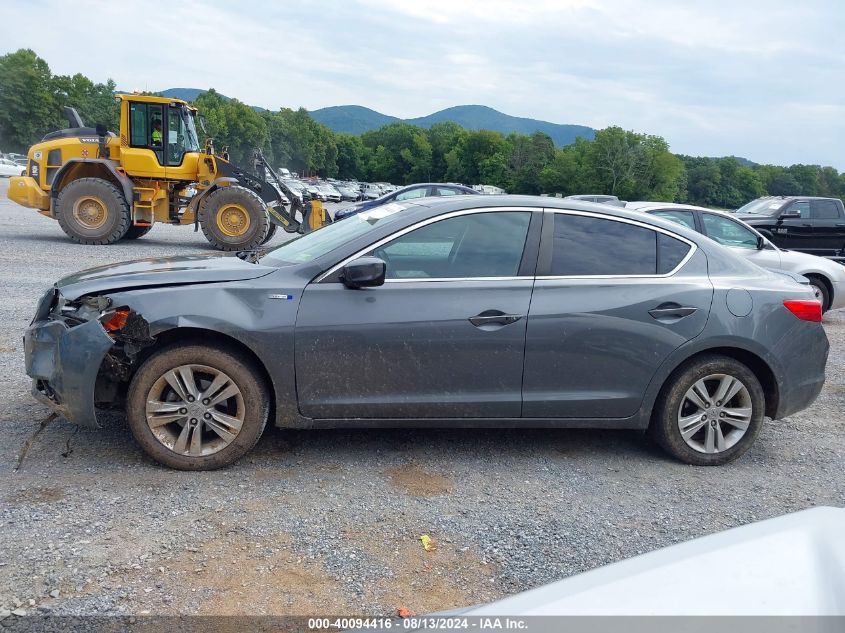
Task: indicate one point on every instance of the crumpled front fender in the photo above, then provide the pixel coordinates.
(63, 363)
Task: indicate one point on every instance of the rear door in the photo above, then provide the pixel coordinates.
(444, 337)
(613, 298)
(828, 226)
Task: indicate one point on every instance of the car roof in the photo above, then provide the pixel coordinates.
(436, 184)
(440, 205)
(642, 205)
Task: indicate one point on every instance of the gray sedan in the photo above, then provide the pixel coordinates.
(494, 311)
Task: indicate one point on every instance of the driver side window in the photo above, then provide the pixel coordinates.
(466, 246)
(801, 207)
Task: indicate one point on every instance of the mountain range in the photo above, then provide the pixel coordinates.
(356, 119)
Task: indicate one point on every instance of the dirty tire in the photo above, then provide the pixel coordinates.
(664, 427)
(271, 231)
(243, 374)
(233, 219)
(93, 211)
(136, 232)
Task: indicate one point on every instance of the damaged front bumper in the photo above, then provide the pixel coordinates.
(63, 362)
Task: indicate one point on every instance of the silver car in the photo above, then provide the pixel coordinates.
(459, 311)
(826, 276)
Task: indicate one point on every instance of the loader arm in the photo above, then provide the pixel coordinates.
(277, 212)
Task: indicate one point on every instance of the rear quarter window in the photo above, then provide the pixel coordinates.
(589, 246)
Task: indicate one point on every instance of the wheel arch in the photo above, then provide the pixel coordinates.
(77, 168)
(826, 281)
(758, 366)
(189, 334)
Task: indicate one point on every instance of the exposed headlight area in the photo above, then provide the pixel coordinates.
(90, 308)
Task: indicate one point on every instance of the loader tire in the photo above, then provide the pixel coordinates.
(93, 211)
(233, 219)
(136, 232)
(270, 233)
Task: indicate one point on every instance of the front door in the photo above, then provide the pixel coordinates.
(444, 337)
(613, 298)
(795, 233)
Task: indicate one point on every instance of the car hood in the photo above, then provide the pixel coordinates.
(159, 271)
(805, 263)
(753, 218)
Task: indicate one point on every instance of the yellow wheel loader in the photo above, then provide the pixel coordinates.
(103, 187)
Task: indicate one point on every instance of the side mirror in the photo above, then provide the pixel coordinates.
(789, 216)
(102, 130)
(364, 272)
(761, 242)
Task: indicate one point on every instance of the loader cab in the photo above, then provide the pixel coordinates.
(161, 137)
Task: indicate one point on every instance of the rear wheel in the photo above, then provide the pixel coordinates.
(709, 412)
(197, 407)
(136, 232)
(92, 211)
(233, 219)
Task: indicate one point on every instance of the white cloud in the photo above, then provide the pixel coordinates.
(759, 78)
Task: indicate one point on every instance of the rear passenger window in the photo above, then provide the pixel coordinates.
(676, 215)
(587, 246)
(824, 210)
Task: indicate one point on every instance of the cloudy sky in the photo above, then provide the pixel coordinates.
(764, 79)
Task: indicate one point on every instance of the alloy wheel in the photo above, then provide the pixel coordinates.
(715, 413)
(195, 410)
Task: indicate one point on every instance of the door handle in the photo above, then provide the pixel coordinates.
(671, 311)
(494, 317)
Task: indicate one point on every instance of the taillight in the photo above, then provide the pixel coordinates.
(115, 321)
(805, 309)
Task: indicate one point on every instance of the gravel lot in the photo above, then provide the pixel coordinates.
(328, 522)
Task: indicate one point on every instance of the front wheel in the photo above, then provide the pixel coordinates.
(709, 412)
(197, 407)
(233, 219)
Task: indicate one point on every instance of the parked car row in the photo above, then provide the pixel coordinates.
(12, 165)
(411, 192)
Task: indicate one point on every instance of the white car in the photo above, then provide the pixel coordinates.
(10, 168)
(826, 276)
(787, 566)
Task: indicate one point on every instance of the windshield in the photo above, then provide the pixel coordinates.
(181, 134)
(189, 130)
(762, 206)
(310, 246)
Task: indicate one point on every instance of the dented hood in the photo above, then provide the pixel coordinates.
(159, 271)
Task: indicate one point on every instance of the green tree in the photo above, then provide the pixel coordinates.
(350, 156)
(94, 102)
(27, 106)
(402, 153)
